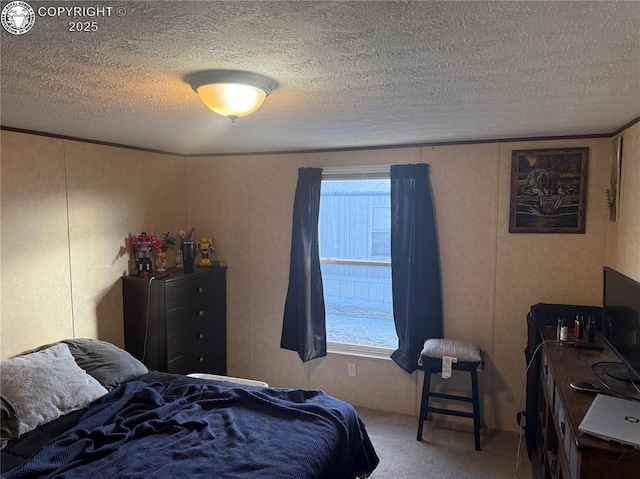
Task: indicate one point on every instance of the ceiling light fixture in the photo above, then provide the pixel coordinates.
(232, 93)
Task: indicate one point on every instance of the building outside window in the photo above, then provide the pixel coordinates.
(355, 257)
(381, 232)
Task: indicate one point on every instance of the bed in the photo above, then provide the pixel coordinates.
(86, 409)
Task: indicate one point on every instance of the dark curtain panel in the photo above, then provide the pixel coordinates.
(303, 328)
(415, 265)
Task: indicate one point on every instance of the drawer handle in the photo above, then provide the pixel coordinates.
(200, 335)
(200, 313)
(201, 359)
(200, 290)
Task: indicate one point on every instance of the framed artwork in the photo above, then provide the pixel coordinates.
(613, 193)
(548, 190)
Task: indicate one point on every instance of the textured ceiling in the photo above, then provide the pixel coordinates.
(350, 74)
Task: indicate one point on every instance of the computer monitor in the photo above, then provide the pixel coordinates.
(621, 323)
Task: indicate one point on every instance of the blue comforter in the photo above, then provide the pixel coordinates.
(143, 430)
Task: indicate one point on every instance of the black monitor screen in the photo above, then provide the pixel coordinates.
(621, 317)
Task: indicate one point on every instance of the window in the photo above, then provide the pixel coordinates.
(355, 257)
(381, 232)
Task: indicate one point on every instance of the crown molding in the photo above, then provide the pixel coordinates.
(87, 140)
(326, 150)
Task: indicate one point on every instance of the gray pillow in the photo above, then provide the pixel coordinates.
(46, 385)
(107, 363)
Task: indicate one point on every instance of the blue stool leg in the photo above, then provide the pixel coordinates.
(426, 386)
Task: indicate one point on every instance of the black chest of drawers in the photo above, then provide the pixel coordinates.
(177, 324)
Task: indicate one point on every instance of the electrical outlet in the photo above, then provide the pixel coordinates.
(351, 369)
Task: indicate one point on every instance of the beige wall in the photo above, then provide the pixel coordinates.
(490, 277)
(67, 209)
(623, 236)
(68, 206)
(542, 268)
(36, 291)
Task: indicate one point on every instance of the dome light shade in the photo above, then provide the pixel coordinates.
(232, 93)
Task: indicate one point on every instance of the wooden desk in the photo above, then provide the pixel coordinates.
(561, 409)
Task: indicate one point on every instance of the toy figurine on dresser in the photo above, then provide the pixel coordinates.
(142, 246)
(206, 248)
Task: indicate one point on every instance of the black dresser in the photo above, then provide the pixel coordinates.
(177, 324)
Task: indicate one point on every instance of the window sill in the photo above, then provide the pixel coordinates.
(359, 350)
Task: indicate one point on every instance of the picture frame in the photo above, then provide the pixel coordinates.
(613, 192)
(548, 190)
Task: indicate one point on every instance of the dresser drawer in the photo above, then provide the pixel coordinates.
(195, 292)
(190, 317)
(202, 359)
(192, 338)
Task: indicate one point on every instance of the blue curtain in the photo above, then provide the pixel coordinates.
(303, 328)
(415, 265)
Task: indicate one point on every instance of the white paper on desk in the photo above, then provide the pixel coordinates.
(446, 366)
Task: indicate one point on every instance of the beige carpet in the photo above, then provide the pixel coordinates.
(446, 451)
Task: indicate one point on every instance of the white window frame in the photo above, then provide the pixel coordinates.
(357, 173)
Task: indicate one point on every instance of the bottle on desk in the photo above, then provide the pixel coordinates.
(563, 329)
(578, 326)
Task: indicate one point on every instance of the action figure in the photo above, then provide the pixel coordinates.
(142, 246)
(205, 246)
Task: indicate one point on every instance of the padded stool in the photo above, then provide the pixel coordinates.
(469, 358)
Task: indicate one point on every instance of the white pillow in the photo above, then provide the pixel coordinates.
(46, 385)
(465, 352)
